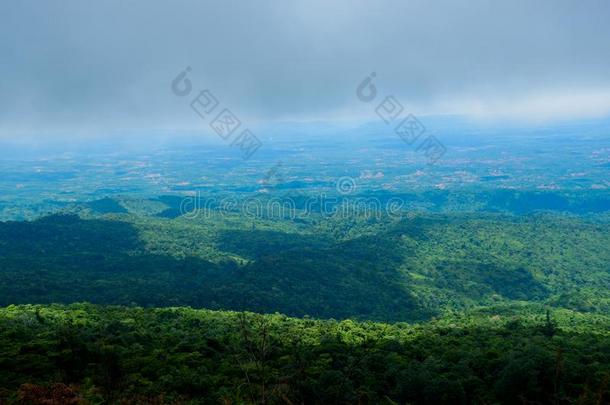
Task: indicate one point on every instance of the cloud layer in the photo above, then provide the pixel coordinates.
(72, 66)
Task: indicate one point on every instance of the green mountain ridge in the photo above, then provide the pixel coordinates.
(331, 268)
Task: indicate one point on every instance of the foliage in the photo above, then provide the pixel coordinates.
(181, 355)
(386, 269)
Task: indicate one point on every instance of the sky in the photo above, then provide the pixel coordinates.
(76, 67)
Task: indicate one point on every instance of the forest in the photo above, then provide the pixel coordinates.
(89, 354)
(326, 267)
(111, 302)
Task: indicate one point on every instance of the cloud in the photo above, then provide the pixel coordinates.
(75, 67)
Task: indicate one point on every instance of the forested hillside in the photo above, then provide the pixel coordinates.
(485, 307)
(85, 354)
(389, 269)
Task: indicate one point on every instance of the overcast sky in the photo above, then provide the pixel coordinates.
(77, 66)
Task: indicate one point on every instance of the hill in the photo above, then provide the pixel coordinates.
(88, 354)
(407, 269)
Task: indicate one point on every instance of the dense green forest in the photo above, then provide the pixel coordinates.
(387, 269)
(454, 307)
(85, 354)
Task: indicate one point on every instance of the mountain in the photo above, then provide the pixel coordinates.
(385, 269)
